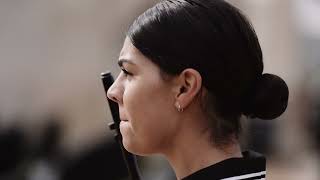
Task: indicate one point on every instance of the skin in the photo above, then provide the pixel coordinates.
(151, 123)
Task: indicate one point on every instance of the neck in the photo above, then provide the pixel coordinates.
(193, 151)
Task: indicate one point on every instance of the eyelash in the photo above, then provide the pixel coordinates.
(126, 73)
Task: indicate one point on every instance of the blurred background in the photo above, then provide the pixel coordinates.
(53, 111)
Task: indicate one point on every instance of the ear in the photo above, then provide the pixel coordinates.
(188, 86)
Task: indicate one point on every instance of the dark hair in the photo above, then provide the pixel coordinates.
(216, 39)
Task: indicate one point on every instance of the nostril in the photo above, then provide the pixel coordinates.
(113, 98)
(111, 95)
(115, 92)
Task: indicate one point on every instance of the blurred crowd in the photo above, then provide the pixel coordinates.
(53, 111)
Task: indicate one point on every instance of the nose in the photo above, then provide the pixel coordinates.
(114, 92)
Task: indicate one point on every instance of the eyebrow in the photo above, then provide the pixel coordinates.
(121, 61)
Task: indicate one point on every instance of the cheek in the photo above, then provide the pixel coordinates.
(149, 112)
(145, 101)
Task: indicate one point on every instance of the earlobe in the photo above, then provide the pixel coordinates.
(190, 83)
(178, 106)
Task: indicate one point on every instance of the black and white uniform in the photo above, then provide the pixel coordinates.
(252, 166)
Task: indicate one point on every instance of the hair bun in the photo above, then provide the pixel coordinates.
(269, 99)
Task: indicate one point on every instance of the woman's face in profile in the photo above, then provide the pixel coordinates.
(146, 103)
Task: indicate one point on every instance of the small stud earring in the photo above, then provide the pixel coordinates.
(180, 109)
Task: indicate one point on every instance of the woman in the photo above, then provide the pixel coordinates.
(190, 70)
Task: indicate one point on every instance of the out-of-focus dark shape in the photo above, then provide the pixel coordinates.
(12, 149)
(102, 162)
(130, 159)
(260, 136)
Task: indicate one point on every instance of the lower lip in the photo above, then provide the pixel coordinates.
(123, 124)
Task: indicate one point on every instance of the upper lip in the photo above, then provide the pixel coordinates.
(122, 117)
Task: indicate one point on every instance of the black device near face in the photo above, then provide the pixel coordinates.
(129, 158)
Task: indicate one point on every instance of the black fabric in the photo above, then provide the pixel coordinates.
(251, 162)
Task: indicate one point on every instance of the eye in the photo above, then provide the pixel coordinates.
(126, 73)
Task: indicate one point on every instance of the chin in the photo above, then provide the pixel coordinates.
(138, 150)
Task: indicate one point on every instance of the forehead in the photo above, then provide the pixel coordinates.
(131, 53)
(127, 47)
